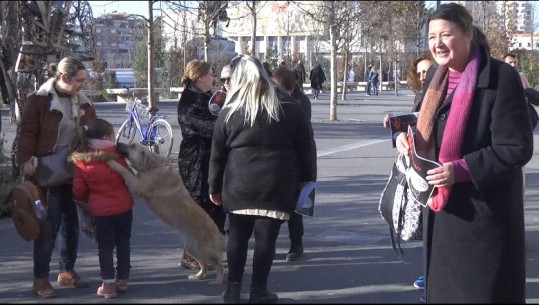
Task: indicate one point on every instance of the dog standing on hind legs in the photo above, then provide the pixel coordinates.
(161, 186)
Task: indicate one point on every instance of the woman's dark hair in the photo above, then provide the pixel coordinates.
(96, 130)
(412, 79)
(458, 14)
(285, 78)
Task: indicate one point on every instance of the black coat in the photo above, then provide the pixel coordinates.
(258, 167)
(317, 77)
(475, 245)
(196, 122)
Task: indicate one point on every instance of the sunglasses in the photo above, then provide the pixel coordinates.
(226, 79)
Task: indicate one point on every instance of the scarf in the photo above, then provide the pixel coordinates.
(453, 135)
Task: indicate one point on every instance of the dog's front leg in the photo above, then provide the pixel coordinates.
(130, 179)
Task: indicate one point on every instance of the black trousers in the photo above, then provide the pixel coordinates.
(241, 227)
(295, 228)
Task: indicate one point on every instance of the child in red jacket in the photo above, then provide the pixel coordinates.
(109, 201)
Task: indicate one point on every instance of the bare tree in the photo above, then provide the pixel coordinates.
(333, 15)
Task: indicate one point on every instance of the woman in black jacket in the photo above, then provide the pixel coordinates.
(196, 122)
(262, 145)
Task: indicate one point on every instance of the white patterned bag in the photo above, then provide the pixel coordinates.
(398, 208)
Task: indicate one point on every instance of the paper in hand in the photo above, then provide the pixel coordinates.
(305, 203)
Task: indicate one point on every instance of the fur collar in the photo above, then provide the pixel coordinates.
(76, 101)
(95, 155)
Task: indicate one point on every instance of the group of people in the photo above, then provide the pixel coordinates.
(471, 109)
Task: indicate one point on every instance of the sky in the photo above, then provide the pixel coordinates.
(141, 7)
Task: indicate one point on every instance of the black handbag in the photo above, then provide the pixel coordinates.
(54, 169)
(397, 207)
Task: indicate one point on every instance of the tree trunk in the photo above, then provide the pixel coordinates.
(345, 74)
(150, 55)
(253, 37)
(333, 76)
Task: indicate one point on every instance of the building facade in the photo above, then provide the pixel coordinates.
(117, 38)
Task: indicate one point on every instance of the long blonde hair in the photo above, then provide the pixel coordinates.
(251, 90)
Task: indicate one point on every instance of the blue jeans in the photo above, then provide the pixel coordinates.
(114, 231)
(61, 217)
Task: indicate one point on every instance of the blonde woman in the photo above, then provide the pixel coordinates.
(262, 146)
(48, 122)
(196, 122)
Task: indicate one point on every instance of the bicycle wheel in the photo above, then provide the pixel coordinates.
(161, 137)
(127, 132)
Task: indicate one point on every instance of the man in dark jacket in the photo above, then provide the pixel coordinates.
(317, 78)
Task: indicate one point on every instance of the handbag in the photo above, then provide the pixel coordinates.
(54, 169)
(399, 209)
(26, 197)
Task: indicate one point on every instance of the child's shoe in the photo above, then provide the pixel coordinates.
(107, 289)
(121, 286)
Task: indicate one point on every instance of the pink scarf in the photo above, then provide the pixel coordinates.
(453, 135)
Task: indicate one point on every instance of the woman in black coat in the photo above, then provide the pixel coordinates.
(197, 122)
(475, 122)
(262, 146)
(317, 78)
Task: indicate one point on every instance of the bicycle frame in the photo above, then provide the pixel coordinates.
(143, 131)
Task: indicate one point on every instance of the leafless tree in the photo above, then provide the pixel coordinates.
(334, 15)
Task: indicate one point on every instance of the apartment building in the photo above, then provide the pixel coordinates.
(117, 37)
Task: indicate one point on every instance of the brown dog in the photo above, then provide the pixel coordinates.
(160, 184)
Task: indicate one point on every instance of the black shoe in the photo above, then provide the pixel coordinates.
(294, 254)
(232, 293)
(262, 296)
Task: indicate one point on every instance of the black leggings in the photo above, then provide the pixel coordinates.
(241, 228)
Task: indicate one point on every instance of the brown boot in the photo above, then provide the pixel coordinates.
(189, 262)
(71, 279)
(43, 288)
(107, 289)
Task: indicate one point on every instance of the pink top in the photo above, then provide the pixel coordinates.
(454, 79)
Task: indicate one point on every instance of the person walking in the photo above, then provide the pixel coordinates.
(197, 122)
(474, 121)
(109, 200)
(300, 73)
(373, 80)
(48, 122)
(317, 78)
(262, 142)
(285, 79)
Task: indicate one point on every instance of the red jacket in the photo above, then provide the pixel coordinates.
(95, 183)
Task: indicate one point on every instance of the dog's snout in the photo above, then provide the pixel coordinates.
(122, 149)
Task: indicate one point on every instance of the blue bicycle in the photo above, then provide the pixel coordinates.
(156, 135)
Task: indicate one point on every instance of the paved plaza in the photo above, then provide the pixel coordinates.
(348, 256)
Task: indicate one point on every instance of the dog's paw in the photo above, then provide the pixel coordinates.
(197, 277)
(216, 282)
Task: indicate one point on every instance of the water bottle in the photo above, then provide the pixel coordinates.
(41, 213)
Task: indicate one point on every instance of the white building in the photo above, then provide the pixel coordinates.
(525, 41)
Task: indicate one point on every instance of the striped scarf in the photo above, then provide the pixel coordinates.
(453, 135)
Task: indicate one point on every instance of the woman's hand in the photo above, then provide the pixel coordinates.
(216, 199)
(386, 121)
(441, 176)
(402, 143)
(28, 168)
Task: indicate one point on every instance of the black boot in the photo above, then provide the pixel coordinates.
(232, 293)
(262, 296)
(296, 250)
